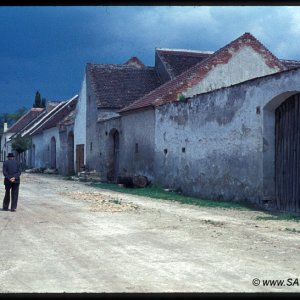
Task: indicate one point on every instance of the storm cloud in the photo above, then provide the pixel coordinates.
(47, 48)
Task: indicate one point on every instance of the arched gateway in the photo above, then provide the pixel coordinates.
(287, 154)
(281, 153)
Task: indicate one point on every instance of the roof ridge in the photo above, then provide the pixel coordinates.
(295, 60)
(174, 85)
(39, 116)
(21, 118)
(186, 51)
(57, 109)
(123, 66)
(39, 122)
(248, 35)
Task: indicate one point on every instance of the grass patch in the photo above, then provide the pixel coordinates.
(279, 218)
(157, 192)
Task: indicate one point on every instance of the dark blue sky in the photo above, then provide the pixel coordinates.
(46, 48)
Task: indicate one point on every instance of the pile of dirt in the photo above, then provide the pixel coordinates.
(100, 202)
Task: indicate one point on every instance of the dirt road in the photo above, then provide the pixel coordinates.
(69, 237)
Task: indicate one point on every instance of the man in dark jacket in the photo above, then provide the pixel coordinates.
(12, 173)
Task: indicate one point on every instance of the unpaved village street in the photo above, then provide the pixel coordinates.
(67, 236)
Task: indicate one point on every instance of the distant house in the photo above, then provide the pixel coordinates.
(209, 129)
(220, 125)
(50, 135)
(105, 90)
(24, 121)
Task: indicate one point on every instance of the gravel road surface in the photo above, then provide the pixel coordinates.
(67, 236)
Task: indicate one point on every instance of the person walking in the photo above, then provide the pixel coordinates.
(12, 173)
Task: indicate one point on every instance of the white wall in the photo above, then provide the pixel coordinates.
(47, 136)
(80, 120)
(244, 64)
(40, 151)
(221, 144)
(5, 145)
(42, 148)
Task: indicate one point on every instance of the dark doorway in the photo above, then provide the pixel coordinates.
(53, 153)
(70, 153)
(79, 158)
(287, 155)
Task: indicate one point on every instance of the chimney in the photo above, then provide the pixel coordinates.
(4, 127)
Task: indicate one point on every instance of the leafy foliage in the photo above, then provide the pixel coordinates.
(38, 101)
(181, 98)
(21, 144)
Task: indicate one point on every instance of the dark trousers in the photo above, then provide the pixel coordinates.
(11, 189)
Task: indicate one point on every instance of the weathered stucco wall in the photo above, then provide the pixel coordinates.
(42, 143)
(137, 144)
(66, 162)
(80, 120)
(220, 145)
(47, 136)
(243, 65)
(104, 162)
(207, 146)
(91, 127)
(38, 152)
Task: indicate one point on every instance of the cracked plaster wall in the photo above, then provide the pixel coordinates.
(220, 145)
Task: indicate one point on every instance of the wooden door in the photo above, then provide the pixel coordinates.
(79, 158)
(287, 155)
(53, 153)
(70, 168)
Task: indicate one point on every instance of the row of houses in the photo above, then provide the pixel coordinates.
(219, 125)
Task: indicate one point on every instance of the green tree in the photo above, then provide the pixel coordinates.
(21, 144)
(37, 100)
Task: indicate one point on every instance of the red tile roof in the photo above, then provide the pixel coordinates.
(169, 91)
(56, 115)
(116, 86)
(25, 120)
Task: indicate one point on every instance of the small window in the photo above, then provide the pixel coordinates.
(106, 133)
(165, 151)
(258, 110)
(183, 150)
(91, 146)
(136, 148)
